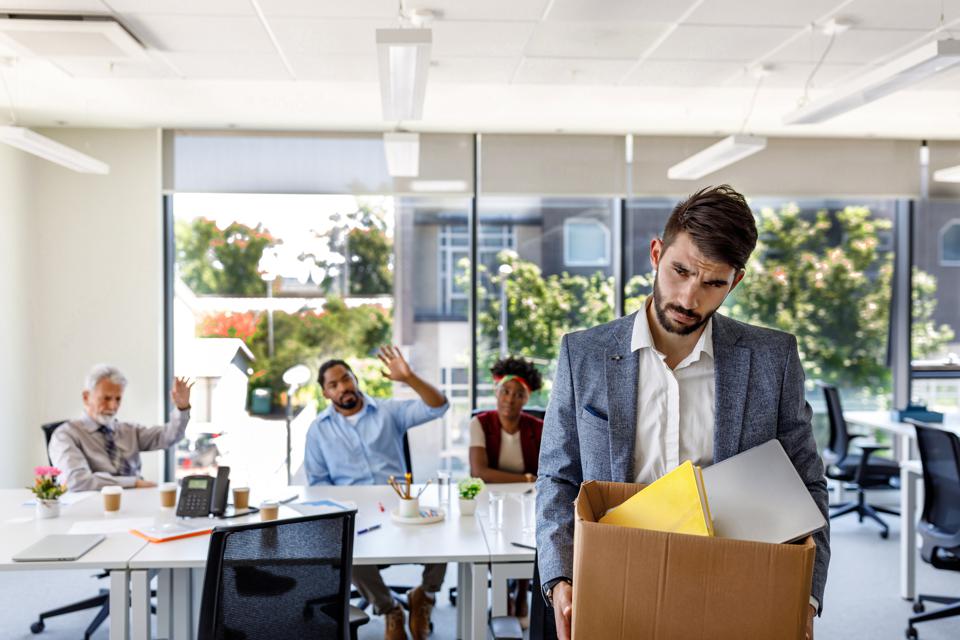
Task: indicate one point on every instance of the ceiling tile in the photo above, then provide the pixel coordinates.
(689, 42)
(618, 10)
(229, 66)
(785, 13)
(856, 46)
(900, 14)
(472, 70)
(81, 68)
(184, 7)
(331, 8)
(795, 74)
(571, 71)
(200, 34)
(58, 6)
(335, 68)
(480, 39)
(593, 39)
(671, 73)
(312, 37)
(497, 10)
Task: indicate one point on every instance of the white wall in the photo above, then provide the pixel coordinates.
(94, 279)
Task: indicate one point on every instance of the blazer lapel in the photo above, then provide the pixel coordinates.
(732, 375)
(621, 369)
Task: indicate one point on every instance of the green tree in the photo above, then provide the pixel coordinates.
(364, 253)
(216, 262)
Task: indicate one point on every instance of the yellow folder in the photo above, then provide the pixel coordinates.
(676, 503)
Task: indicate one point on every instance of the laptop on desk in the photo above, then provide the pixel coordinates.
(59, 548)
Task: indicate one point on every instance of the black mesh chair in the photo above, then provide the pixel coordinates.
(860, 471)
(281, 579)
(940, 523)
(101, 601)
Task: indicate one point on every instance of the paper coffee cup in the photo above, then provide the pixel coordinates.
(269, 510)
(168, 495)
(241, 498)
(111, 498)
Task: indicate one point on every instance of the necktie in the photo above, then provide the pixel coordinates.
(116, 457)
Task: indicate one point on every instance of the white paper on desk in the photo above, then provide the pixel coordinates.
(110, 525)
(67, 499)
(314, 507)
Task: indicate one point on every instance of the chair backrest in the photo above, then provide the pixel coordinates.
(940, 457)
(839, 436)
(48, 430)
(279, 579)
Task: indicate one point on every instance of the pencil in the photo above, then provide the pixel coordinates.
(408, 477)
(424, 487)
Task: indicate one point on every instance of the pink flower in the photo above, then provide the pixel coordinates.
(52, 472)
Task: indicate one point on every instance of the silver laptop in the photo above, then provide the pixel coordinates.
(758, 495)
(59, 547)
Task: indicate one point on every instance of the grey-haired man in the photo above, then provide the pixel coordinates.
(97, 449)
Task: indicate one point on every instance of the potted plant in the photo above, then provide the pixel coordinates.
(48, 491)
(469, 488)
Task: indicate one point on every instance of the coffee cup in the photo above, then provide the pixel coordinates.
(241, 498)
(168, 495)
(111, 498)
(269, 510)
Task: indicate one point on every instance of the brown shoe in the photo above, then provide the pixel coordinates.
(421, 605)
(393, 623)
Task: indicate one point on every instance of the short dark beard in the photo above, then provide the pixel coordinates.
(348, 405)
(669, 325)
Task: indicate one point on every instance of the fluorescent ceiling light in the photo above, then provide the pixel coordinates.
(403, 154)
(715, 157)
(950, 174)
(919, 64)
(404, 56)
(43, 147)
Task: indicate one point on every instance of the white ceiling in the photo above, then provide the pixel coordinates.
(642, 66)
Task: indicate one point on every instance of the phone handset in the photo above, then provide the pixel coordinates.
(221, 487)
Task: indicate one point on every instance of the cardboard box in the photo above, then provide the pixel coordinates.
(637, 584)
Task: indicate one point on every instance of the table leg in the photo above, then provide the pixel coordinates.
(164, 604)
(463, 597)
(478, 603)
(182, 601)
(499, 574)
(139, 605)
(119, 604)
(908, 533)
(196, 577)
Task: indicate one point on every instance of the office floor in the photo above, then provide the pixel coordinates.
(862, 599)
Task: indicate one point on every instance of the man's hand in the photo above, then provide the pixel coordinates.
(562, 596)
(143, 484)
(813, 614)
(397, 368)
(181, 393)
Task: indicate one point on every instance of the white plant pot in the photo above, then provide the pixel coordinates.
(468, 507)
(47, 509)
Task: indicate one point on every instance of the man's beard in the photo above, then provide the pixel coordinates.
(105, 419)
(347, 401)
(668, 324)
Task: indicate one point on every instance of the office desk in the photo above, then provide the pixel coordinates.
(910, 474)
(457, 539)
(507, 561)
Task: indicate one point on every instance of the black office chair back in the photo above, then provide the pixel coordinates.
(48, 430)
(839, 436)
(940, 457)
(279, 579)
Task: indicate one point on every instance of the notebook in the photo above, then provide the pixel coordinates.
(59, 547)
(758, 495)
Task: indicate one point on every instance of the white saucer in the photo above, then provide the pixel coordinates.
(436, 515)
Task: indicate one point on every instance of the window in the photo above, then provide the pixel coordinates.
(586, 243)
(950, 244)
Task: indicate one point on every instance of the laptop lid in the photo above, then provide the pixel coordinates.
(59, 547)
(758, 495)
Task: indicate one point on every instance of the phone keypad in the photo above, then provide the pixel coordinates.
(193, 504)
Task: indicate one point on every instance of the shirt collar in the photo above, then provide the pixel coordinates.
(369, 404)
(89, 423)
(642, 338)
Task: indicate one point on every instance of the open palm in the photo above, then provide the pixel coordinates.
(397, 368)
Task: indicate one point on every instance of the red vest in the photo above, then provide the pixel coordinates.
(530, 431)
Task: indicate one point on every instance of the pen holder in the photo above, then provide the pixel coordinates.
(409, 508)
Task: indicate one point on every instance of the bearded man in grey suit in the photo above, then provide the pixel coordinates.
(676, 381)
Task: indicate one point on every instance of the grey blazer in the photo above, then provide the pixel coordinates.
(759, 396)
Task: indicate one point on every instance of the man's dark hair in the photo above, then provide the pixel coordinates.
(511, 366)
(329, 364)
(719, 222)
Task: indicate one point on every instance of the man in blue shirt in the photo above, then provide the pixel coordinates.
(357, 440)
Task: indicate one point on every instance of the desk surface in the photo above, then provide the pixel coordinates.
(882, 420)
(499, 542)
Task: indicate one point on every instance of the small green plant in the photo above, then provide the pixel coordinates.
(470, 487)
(45, 485)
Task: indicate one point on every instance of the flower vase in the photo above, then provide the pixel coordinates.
(468, 506)
(47, 509)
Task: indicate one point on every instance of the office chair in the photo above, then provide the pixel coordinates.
(859, 471)
(281, 579)
(101, 601)
(939, 525)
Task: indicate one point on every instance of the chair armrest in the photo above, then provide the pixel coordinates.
(868, 449)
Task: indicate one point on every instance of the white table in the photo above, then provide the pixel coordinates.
(910, 474)
(507, 561)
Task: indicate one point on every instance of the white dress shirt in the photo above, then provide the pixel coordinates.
(675, 407)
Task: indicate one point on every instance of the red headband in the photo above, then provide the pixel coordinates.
(502, 380)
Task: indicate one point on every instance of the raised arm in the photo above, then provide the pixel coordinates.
(398, 370)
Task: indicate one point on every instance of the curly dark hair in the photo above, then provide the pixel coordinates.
(518, 367)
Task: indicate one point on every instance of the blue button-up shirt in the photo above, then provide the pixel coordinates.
(369, 451)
